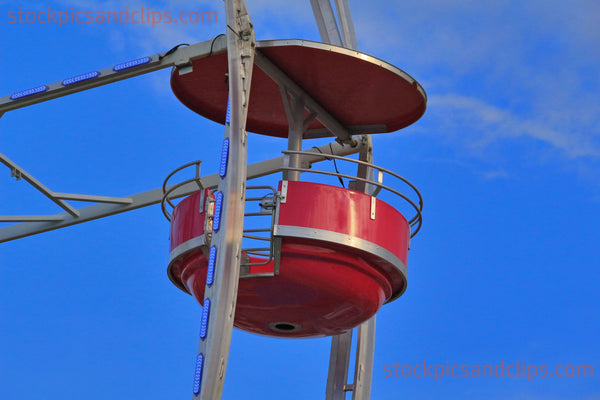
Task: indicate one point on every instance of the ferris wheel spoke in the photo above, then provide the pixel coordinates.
(220, 293)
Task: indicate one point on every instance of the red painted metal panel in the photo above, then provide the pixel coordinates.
(188, 219)
(323, 288)
(336, 209)
(358, 90)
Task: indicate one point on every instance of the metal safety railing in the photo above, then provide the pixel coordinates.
(260, 238)
(416, 203)
(257, 235)
(169, 191)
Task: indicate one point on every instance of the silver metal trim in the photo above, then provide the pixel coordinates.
(187, 246)
(183, 248)
(343, 239)
(342, 50)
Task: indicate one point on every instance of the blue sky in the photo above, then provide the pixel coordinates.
(507, 157)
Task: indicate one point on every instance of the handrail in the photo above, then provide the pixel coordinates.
(266, 252)
(415, 222)
(167, 193)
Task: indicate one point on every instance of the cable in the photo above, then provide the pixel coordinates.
(213, 42)
(334, 163)
(172, 50)
(336, 168)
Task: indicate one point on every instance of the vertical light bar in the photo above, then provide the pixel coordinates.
(218, 211)
(212, 259)
(198, 373)
(228, 113)
(224, 158)
(205, 316)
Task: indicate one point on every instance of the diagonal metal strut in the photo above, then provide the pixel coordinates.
(284, 81)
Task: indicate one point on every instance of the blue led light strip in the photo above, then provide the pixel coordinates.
(80, 78)
(205, 316)
(28, 92)
(228, 114)
(198, 373)
(212, 260)
(224, 158)
(131, 64)
(218, 209)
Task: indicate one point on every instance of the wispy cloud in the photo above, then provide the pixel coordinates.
(482, 124)
(495, 72)
(495, 174)
(498, 73)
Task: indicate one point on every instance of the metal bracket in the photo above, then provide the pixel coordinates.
(284, 189)
(373, 206)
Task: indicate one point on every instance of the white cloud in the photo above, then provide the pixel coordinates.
(482, 124)
(495, 174)
(496, 70)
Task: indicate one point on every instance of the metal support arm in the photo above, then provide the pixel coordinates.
(220, 295)
(284, 81)
(180, 57)
(151, 197)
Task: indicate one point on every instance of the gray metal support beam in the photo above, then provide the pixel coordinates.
(182, 57)
(20, 173)
(325, 18)
(363, 369)
(366, 155)
(152, 197)
(294, 110)
(345, 35)
(339, 361)
(31, 218)
(220, 296)
(346, 25)
(92, 199)
(341, 345)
